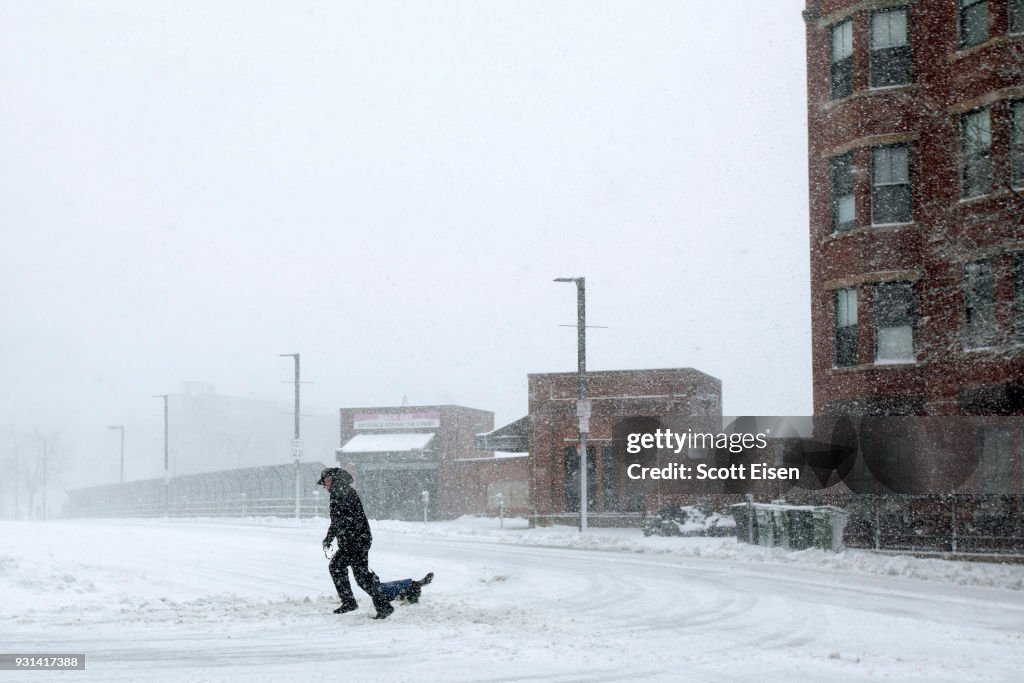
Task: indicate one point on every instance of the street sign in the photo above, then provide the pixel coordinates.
(297, 449)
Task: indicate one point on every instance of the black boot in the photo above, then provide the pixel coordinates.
(347, 607)
(384, 610)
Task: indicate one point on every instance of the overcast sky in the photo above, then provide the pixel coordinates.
(188, 190)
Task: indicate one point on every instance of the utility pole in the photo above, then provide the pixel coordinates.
(44, 479)
(582, 405)
(167, 480)
(17, 473)
(121, 428)
(297, 440)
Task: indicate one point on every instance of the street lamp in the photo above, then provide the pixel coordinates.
(167, 460)
(582, 405)
(121, 428)
(297, 441)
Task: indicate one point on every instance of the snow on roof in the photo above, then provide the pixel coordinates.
(386, 443)
(498, 455)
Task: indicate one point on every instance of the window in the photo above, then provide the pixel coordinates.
(890, 51)
(1017, 142)
(973, 22)
(846, 327)
(841, 68)
(890, 185)
(979, 304)
(994, 465)
(894, 322)
(975, 154)
(843, 215)
(1016, 16)
(898, 467)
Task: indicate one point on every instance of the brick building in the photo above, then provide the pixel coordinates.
(455, 454)
(623, 402)
(916, 164)
(397, 453)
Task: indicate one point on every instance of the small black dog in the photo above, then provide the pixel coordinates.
(407, 590)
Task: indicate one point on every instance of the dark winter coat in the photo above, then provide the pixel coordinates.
(348, 520)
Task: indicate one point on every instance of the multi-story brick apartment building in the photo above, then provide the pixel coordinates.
(916, 164)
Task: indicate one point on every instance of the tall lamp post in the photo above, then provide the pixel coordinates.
(297, 441)
(167, 480)
(582, 405)
(121, 429)
(44, 479)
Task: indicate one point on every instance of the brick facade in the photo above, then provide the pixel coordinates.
(945, 233)
(391, 482)
(622, 402)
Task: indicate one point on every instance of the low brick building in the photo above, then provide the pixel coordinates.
(397, 453)
(622, 402)
(477, 482)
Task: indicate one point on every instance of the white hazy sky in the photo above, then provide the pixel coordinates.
(188, 190)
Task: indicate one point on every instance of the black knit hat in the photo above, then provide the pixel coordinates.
(335, 473)
(328, 473)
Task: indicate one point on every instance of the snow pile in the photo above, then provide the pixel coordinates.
(516, 532)
(694, 520)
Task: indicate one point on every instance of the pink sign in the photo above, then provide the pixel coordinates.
(419, 420)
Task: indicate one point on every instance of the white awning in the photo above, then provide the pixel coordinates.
(386, 443)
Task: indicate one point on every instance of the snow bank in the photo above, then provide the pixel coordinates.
(516, 531)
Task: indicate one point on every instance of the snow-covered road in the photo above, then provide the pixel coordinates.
(209, 600)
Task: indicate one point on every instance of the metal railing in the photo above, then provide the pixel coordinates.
(254, 491)
(240, 507)
(955, 523)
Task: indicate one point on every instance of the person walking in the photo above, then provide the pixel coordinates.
(351, 529)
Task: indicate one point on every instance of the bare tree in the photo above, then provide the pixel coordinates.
(36, 459)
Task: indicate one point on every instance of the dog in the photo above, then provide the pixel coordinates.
(406, 590)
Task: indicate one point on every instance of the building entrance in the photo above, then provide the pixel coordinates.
(622, 494)
(572, 478)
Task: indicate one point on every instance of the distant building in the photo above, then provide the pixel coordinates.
(916, 164)
(398, 453)
(210, 432)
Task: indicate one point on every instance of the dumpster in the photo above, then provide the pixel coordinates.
(799, 527)
(746, 524)
(796, 527)
(829, 523)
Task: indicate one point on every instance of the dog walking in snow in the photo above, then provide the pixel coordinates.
(406, 590)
